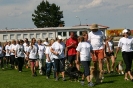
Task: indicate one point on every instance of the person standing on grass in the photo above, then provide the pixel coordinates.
(96, 38)
(125, 44)
(58, 50)
(84, 49)
(19, 54)
(109, 46)
(12, 55)
(32, 53)
(49, 60)
(1, 57)
(7, 48)
(41, 51)
(71, 45)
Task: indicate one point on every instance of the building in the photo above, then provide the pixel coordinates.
(42, 33)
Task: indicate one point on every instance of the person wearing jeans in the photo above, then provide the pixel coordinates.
(49, 60)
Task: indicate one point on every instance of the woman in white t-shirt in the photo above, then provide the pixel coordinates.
(125, 44)
(84, 49)
(41, 50)
(32, 53)
(12, 53)
(49, 60)
(7, 48)
(58, 49)
(26, 48)
(19, 54)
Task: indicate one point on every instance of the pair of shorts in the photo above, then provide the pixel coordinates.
(98, 55)
(32, 60)
(71, 58)
(109, 54)
(59, 65)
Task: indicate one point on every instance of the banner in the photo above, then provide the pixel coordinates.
(116, 32)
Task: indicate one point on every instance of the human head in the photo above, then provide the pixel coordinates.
(129, 31)
(39, 41)
(85, 35)
(13, 41)
(21, 42)
(72, 34)
(125, 33)
(59, 38)
(33, 41)
(94, 27)
(52, 41)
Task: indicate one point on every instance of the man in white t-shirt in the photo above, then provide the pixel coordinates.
(96, 38)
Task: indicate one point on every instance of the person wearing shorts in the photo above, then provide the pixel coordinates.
(71, 45)
(109, 52)
(32, 53)
(84, 49)
(96, 38)
(58, 49)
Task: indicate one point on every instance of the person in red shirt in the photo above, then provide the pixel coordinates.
(71, 45)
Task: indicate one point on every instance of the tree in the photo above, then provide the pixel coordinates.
(47, 15)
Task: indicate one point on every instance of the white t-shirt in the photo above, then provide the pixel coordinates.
(20, 50)
(41, 50)
(50, 54)
(7, 48)
(110, 46)
(126, 44)
(59, 48)
(1, 54)
(96, 39)
(12, 47)
(84, 48)
(33, 52)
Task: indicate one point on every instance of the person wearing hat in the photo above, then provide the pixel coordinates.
(96, 38)
(58, 49)
(125, 44)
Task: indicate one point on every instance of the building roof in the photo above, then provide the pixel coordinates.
(99, 25)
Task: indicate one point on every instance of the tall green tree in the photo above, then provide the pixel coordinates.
(47, 15)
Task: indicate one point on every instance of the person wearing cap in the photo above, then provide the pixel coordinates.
(71, 45)
(96, 38)
(58, 49)
(125, 44)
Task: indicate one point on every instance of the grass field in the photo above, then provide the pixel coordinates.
(13, 79)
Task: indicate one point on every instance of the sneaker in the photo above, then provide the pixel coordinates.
(63, 79)
(90, 84)
(56, 79)
(20, 71)
(35, 74)
(3, 68)
(82, 83)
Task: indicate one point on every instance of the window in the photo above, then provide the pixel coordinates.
(50, 35)
(44, 35)
(12, 36)
(31, 36)
(64, 34)
(19, 36)
(25, 36)
(38, 35)
(59, 33)
(80, 33)
(5, 37)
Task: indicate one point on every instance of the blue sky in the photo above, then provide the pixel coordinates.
(112, 13)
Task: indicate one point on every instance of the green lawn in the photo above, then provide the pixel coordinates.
(13, 79)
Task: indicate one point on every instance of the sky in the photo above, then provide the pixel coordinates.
(111, 13)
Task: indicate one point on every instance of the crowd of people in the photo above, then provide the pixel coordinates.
(53, 54)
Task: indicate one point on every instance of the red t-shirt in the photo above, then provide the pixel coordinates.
(72, 50)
